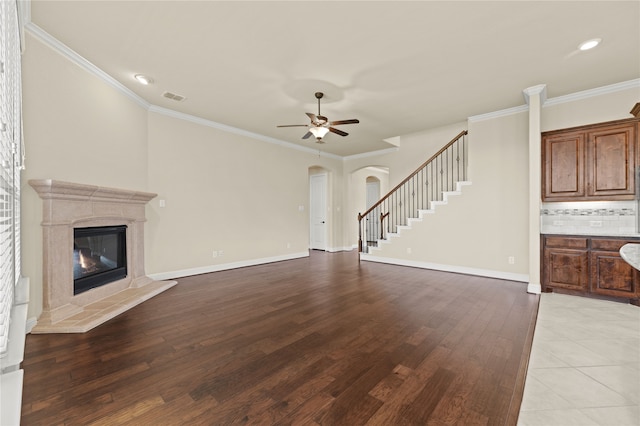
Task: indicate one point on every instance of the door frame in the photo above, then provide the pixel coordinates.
(323, 203)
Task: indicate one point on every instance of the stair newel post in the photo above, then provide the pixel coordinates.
(359, 232)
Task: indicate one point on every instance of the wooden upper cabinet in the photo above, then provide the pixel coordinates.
(611, 161)
(563, 162)
(590, 163)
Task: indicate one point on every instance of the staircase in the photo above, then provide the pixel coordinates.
(430, 185)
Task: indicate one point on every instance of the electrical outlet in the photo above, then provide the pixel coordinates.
(408, 250)
(215, 253)
(512, 260)
(221, 253)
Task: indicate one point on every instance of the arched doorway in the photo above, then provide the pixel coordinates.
(367, 185)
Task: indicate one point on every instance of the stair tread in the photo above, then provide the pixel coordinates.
(421, 212)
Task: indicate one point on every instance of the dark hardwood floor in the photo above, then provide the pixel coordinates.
(320, 340)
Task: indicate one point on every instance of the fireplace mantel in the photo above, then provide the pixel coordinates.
(69, 205)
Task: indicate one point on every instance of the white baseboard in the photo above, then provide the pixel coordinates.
(225, 266)
(337, 249)
(447, 268)
(31, 322)
(534, 288)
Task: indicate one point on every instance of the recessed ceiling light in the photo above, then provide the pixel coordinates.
(143, 79)
(589, 44)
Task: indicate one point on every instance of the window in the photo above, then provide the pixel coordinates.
(11, 162)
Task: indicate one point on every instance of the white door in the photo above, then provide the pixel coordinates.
(318, 212)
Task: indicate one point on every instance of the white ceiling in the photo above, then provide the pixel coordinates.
(399, 67)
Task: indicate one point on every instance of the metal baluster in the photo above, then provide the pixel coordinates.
(417, 192)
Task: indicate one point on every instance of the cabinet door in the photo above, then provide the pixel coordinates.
(611, 162)
(612, 276)
(563, 166)
(565, 268)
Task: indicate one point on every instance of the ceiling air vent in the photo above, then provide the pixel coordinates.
(174, 96)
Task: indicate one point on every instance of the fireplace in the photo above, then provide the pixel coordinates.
(93, 255)
(99, 256)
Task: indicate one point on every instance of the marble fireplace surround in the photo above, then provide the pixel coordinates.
(67, 206)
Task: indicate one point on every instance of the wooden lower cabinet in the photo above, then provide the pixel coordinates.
(566, 262)
(589, 265)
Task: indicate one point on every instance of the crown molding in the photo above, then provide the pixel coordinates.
(74, 57)
(598, 91)
(611, 88)
(499, 113)
(235, 130)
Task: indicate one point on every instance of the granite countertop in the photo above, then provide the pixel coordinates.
(589, 235)
(631, 254)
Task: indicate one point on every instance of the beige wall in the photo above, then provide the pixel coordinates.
(222, 191)
(356, 182)
(77, 129)
(417, 148)
(488, 223)
(413, 151)
(480, 230)
(231, 193)
(606, 107)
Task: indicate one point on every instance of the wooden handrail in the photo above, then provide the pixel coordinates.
(461, 134)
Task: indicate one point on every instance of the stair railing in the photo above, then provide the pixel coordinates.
(426, 184)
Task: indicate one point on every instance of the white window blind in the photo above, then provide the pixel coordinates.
(10, 163)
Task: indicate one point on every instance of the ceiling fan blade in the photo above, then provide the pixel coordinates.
(293, 125)
(338, 132)
(318, 120)
(313, 117)
(352, 121)
(306, 135)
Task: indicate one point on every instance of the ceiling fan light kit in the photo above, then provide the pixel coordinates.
(320, 125)
(319, 132)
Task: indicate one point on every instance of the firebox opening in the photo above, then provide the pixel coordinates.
(99, 256)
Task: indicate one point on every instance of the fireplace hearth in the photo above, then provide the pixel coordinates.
(93, 236)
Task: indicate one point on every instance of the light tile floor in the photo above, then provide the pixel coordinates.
(584, 367)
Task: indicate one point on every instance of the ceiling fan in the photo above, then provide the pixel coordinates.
(320, 125)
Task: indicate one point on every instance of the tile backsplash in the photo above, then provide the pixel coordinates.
(590, 218)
